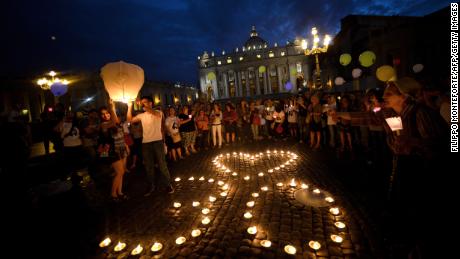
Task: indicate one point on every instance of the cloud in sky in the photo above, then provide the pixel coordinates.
(165, 37)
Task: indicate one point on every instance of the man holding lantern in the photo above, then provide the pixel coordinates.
(152, 143)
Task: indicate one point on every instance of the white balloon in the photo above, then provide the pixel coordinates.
(417, 68)
(339, 81)
(356, 72)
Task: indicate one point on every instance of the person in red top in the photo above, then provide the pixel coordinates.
(230, 118)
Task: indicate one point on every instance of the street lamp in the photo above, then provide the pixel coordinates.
(46, 83)
(316, 50)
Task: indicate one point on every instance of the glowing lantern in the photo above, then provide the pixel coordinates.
(211, 76)
(262, 69)
(252, 230)
(288, 86)
(339, 80)
(265, 243)
(58, 89)
(205, 221)
(180, 240)
(417, 68)
(196, 232)
(137, 250)
(290, 250)
(314, 245)
(367, 58)
(336, 238)
(123, 81)
(345, 59)
(329, 199)
(395, 123)
(356, 72)
(386, 73)
(106, 242)
(340, 225)
(120, 246)
(334, 211)
(156, 247)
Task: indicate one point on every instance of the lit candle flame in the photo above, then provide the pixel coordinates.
(329, 199)
(277, 168)
(334, 211)
(270, 170)
(191, 178)
(105, 242)
(279, 184)
(261, 174)
(248, 215)
(211, 180)
(137, 250)
(340, 225)
(196, 204)
(201, 178)
(290, 250)
(225, 187)
(293, 183)
(336, 238)
(246, 178)
(177, 179)
(250, 204)
(205, 221)
(196, 232)
(228, 171)
(223, 194)
(252, 230)
(212, 198)
(266, 243)
(234, 173)
(220, 183)
(156, 247)
(282, 166)
(205, 211)
(177, 205)
(120, 246)
(317, 191)
(314, 245)
(180, 240)
(304, 186)
(255, 194)
(265, 188)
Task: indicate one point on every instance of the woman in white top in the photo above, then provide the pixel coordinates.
(216, 124)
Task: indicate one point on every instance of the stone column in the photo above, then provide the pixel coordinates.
(225, 78)
(280, 79)
(265, 80)
(269, 84)
(247, 83)
(257, 82)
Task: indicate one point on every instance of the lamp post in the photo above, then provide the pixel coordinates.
(316, 50)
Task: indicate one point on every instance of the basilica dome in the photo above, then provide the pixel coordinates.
(255, 40)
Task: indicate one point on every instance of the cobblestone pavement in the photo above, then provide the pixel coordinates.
(245, 181)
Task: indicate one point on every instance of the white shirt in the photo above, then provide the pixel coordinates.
(172, 125)
(151, 127)
(70, 139)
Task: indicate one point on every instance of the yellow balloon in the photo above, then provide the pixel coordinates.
(262, 69)
(386, 73)
(293, 71)
(345, 59)
(211, 76)
(367, 58)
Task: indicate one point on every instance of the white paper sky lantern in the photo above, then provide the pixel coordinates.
(123, 81)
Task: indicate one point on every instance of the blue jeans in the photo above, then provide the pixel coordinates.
(151, 152)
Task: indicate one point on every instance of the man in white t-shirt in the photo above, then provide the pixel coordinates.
(152, 143)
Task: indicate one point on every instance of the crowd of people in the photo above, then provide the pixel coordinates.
(152, 136)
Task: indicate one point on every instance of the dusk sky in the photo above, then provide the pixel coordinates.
(164, 37)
